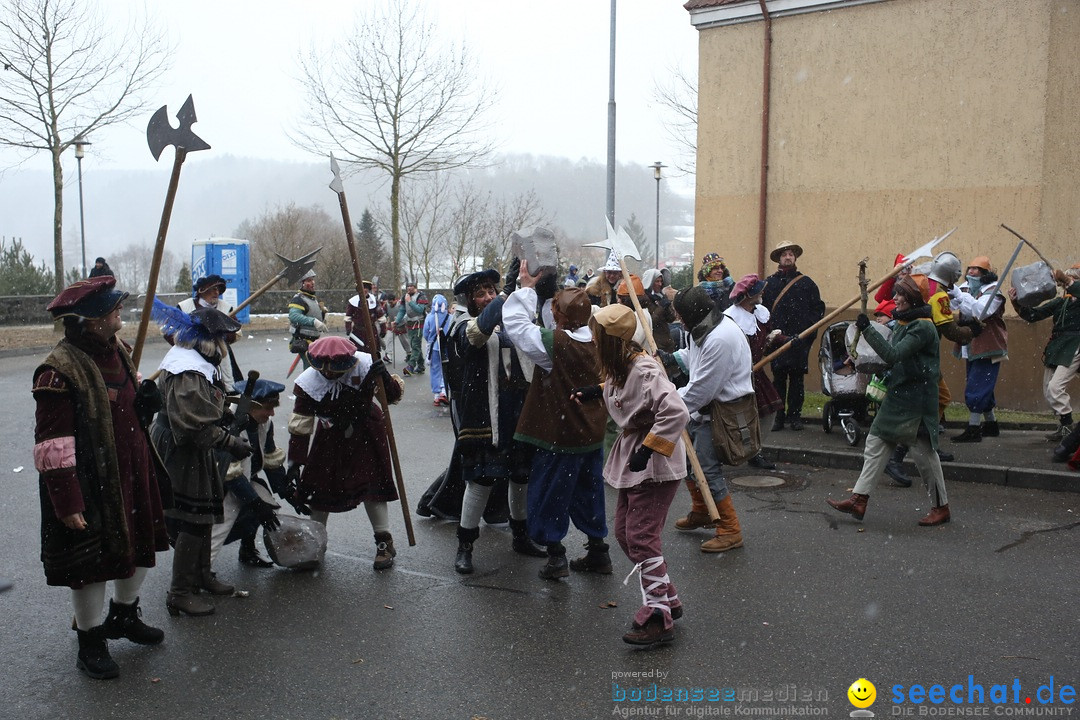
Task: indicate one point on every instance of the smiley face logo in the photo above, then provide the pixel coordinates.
(862, 693)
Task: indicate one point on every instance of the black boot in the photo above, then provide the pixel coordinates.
(1062, 453)
(895, 467)
(971, 434)
(463, 560)
(124, 621)
(945, 456)
(795, 422)
(94, 658)
(249, 554)
(556, 566)
(759, 461)
(595, 560)
(990, 428)
(522, 543)
(778, 422)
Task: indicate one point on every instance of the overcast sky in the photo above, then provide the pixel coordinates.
(548, 59)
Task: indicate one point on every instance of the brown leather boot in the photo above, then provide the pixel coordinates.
(698, 517)
(855, 506)
(728, 531)
(651, 633)
(936, 516)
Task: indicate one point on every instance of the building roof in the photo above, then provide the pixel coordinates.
(695, 4)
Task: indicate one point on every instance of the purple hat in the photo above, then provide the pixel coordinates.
(91, 298)
(748, 286)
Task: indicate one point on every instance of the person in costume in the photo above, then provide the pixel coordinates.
(716, 279)
(566, 480)
(909, 413)
(603, 288)
(436, 325)
(187, 433)
(718, 365)
(492, 394)
(753, 319)
(207, 292)
(979, 300)
(1061, 357)
(795, 304)
(339, 456)
(645, 464)
(101, 483)
(248, 502)
(410, 316)
(307, 318)
(354, 322)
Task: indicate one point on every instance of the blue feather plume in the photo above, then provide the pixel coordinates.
(175, 322)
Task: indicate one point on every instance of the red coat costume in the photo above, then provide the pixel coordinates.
(337, 433)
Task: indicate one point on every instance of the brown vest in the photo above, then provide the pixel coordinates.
(550, 419)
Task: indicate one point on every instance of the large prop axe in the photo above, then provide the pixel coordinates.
(909, 260)
(293, 272)
(337, 186)
(622, 245)
(159, 133)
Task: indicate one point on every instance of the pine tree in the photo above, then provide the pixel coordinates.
(183, 280)
(369, 248)
(19, 275)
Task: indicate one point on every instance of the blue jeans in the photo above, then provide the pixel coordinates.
(701, 435)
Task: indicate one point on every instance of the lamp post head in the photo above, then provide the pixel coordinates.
(657, 166)
(80, 142)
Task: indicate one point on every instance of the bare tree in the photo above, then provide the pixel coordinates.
(426, 209)
(65, 74)
(507, 215)
(131, 266)
(293, 231)
(679, 94)
(392, 96)
(470, 226)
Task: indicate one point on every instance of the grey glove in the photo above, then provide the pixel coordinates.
(321, 326)
(236, 446)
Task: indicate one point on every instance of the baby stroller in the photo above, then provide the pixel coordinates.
(844, 379)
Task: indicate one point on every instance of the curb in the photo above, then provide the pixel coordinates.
(1016, 477)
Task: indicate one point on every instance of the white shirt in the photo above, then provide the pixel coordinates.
(517, 320)
(720, 369)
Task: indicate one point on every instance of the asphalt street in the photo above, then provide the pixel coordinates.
(779, 628)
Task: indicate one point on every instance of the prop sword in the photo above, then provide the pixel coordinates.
(621, 244)
(337, 186)
(909, 260)
(1001, 278)
(159, 134)
(240, 419)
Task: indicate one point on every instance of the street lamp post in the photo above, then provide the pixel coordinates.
(80, 142)
(657, 167)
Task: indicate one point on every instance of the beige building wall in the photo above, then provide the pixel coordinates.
(892, 122)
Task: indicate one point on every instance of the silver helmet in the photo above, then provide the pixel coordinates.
(946, 269)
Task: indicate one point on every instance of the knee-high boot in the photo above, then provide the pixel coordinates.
(186, 576)
(728, 532)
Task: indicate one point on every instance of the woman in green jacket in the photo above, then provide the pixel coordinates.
(909, 413)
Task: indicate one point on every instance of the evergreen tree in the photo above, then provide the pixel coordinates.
(374, 261)
(183, 280)
(646, 247)
(19, 275)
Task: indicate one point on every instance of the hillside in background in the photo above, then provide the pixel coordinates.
(217, 194)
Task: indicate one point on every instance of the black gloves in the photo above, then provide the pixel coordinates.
(639, 459)
(147, 402)
(862, 322)
(236, 446)
(588, 392)
(292, 492)
(976, 328)
(264, 513)
(378, 369)
(512, 272)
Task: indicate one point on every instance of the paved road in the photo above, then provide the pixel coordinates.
(813, 602)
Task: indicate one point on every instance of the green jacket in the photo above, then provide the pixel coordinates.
(1065, 336)
(912, 380)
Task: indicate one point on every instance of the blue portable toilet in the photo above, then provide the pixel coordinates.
(227, 257)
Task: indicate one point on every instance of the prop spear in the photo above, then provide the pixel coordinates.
(337, 186)
(159, 134)
(909, 260)
(864, 297)
(293, 272)
(621, 244)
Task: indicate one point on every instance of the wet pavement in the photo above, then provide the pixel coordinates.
(779, 628)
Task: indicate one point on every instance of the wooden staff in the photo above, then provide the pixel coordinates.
(646, 325)
(365, 315)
